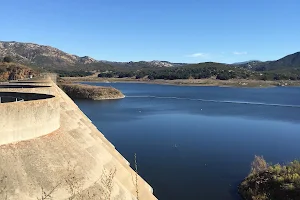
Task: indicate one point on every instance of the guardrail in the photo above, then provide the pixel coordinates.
(9, 99)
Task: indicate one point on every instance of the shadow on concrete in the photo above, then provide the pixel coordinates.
(22, 86)
(26, 96)
(12, 82)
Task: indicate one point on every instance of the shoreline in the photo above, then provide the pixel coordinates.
(235, 83)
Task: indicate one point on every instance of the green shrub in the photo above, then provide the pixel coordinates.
(7, 59)
(276, 182)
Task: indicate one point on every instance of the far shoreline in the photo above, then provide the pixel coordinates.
(234, 83)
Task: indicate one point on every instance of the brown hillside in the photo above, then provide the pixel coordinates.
(14, 71)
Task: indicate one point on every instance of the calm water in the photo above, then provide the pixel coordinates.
(198, 142)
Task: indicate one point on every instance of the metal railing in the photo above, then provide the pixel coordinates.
(9, 99)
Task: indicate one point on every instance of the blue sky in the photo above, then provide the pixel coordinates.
(175, 30)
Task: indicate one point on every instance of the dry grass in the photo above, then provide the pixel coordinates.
(83, 91)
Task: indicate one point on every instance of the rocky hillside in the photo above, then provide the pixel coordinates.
(14, 71)
(145, 64)
(288, 62)
(50, 58)
(291, 61)
(43, 56)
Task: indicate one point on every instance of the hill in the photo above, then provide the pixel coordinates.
(43, 56)
(192, 71)
(14, 71)
(245, 62)
(288, 62)
(50, 58)
(47, 58)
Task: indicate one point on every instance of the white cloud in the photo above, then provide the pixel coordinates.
(240, 52)
(197, 55)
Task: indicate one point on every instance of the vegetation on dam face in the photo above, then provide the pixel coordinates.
(83, 91)
(271, 182)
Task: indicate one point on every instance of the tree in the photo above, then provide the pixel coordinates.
(7, 59)
(150, 77)
(223, 76)
(258, 165)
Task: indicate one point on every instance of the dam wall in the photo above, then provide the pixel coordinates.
(23, 120)
(38, 161)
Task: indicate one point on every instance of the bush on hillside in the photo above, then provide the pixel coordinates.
(7, 59)
(106, 75)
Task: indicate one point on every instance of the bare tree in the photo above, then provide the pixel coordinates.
(104, 185)
(73, 182)
(48, 195)
(107, 182)
(258, 165)
(135, 182)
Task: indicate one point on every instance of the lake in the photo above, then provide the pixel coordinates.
(198, 142)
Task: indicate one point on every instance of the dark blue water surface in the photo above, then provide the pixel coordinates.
(198, 142)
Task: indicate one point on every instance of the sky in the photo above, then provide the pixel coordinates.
(189, 31)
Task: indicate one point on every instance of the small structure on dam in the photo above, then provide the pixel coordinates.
(50, 148)
(27, 115)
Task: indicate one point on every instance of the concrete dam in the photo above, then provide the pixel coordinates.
(49, 149)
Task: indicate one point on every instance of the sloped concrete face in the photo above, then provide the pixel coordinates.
(45, 161)
(28, 119)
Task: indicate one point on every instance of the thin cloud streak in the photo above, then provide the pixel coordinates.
(240, 53)
(197, 55)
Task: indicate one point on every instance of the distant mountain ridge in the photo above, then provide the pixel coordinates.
(41, 55)
(53, 58)
(50, 58)
(246, 62)
(291, 61)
